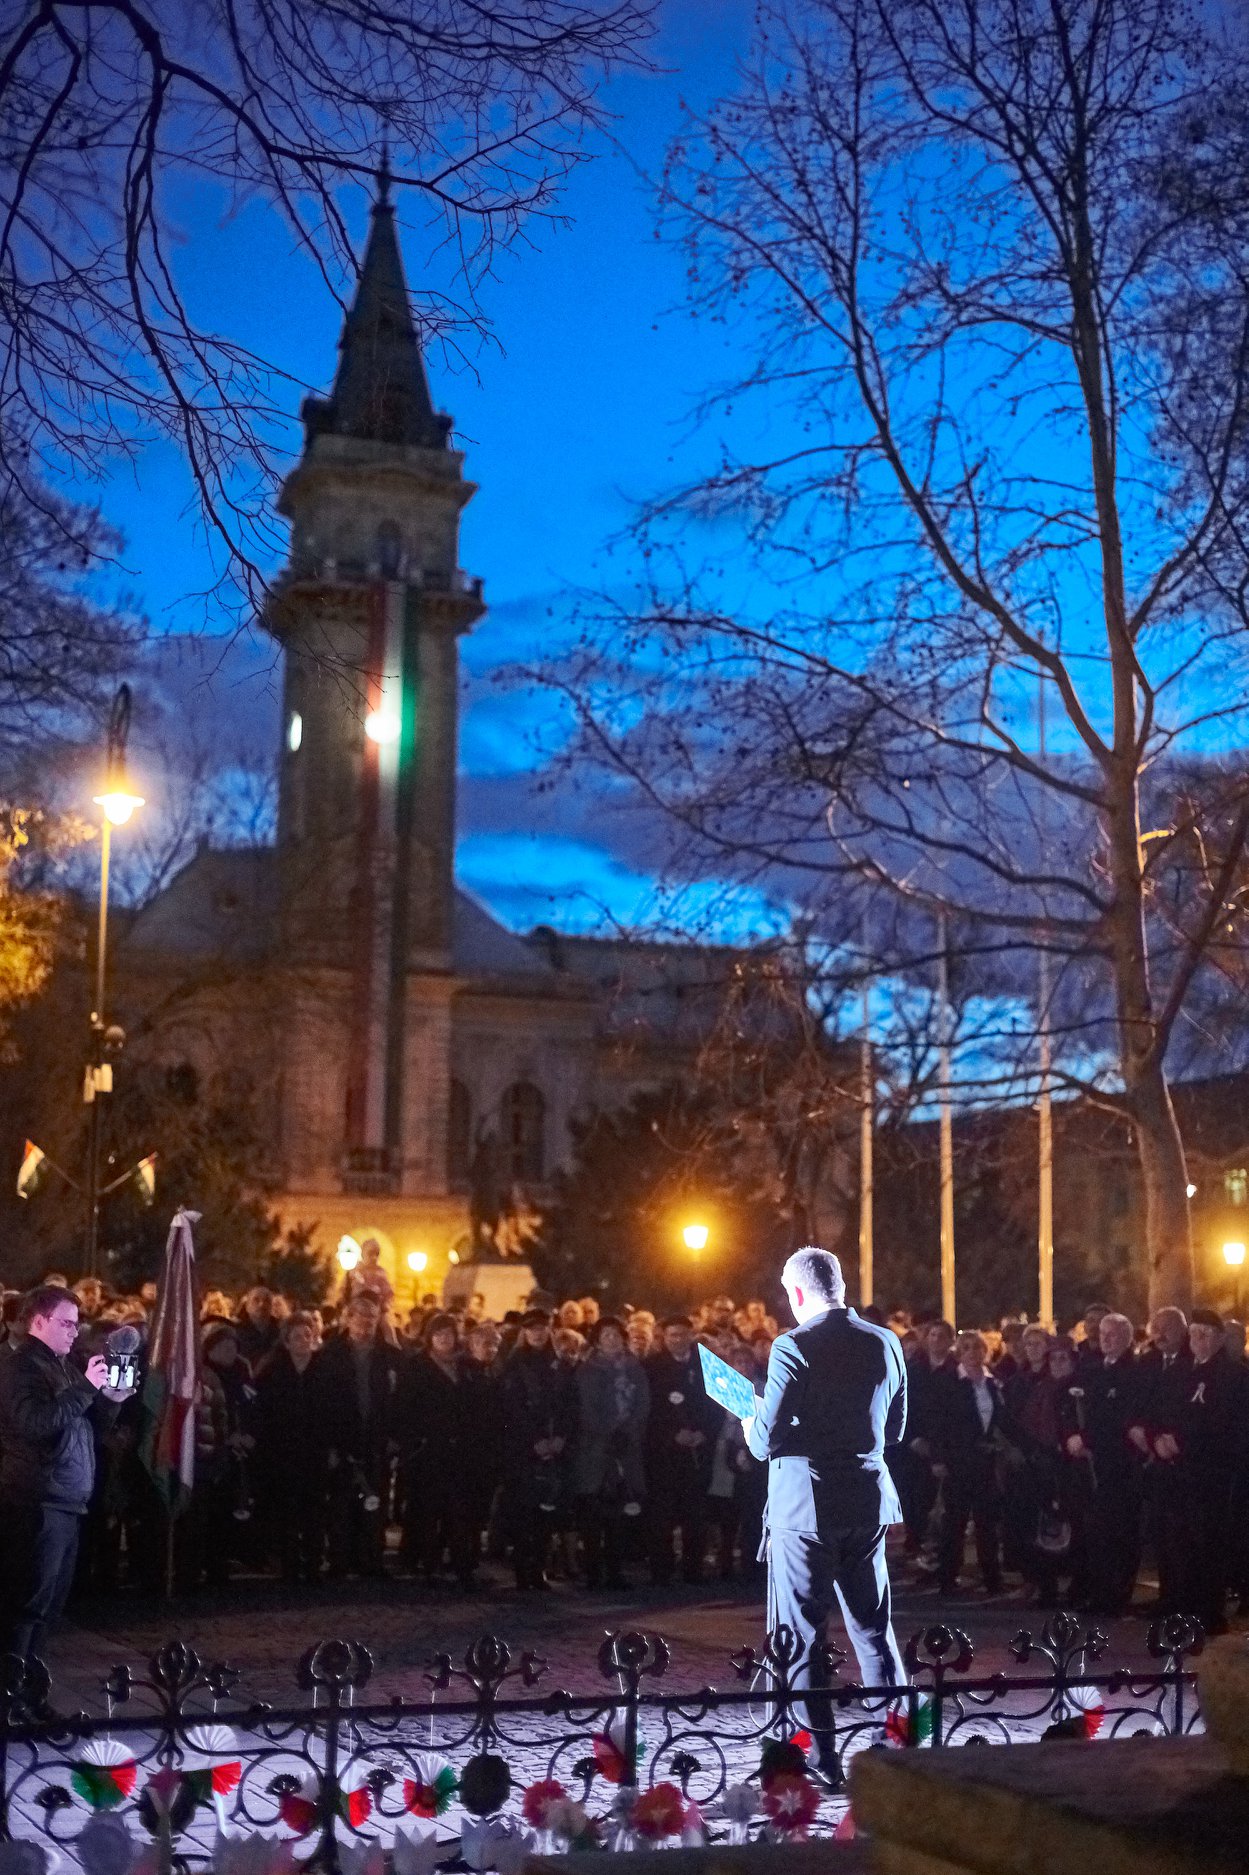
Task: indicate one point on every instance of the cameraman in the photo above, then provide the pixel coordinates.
(47, 1464)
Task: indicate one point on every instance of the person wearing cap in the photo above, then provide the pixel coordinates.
(835, 1398)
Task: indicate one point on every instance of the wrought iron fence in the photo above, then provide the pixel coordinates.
(181, 1751)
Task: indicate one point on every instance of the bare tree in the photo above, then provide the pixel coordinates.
(105, 105)
(991, 444)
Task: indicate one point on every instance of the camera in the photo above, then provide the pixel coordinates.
(122, 1371)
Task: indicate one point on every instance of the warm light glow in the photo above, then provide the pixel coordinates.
(417, 1261)
(119, 804)
(295, 731)
(1233, 1254)
(695, 1236)
(348, 1252)
(381, 726)
(453, 1256)
(1192, 1191)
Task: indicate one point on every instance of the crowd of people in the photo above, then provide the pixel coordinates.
(566, 1442)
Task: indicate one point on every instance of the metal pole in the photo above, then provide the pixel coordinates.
(1045, 1169)
(1045, 1113)
(867, 1117)
(97, 1034)
(947, 1129)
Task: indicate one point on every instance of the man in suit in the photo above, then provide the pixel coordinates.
(835, 1397)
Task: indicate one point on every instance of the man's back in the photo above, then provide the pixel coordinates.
(835, 1397)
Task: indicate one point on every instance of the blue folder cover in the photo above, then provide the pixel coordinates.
(726, 1386)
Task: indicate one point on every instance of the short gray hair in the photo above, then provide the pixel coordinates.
(818, 1272)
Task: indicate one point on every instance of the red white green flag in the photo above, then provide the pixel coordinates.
(168, 1445)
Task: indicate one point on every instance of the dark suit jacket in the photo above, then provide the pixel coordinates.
(835, 1397)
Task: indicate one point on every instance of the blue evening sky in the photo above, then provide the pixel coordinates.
(569, 412)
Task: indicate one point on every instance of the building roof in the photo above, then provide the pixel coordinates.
(381, 393)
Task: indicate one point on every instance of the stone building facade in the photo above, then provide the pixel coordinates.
(416, 1066)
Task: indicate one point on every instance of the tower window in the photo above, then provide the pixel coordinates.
(389, 550)
(523, 1113)
(1236, 1185)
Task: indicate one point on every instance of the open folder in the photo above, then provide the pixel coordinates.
(726, 1386)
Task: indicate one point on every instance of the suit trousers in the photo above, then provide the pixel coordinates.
(38, 1549)
(807, 1576)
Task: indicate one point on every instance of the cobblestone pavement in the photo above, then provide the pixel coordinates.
(264, 1627)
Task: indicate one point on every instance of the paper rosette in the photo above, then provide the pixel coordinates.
(1088, 1706)
(430, 1792)
(791, 1803)
(898, 1725)
(658, 1812)
(105, 1775)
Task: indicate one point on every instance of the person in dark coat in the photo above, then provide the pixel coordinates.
(358, 1377)
(49, 1410)
(290, 1451)
(931, 1377)
(835, 1398)
(259, 1331)
(538, 1406)
(1100, 1443)
(609, 1472)
(441, 1434)
(1162, 1375)
(967, 1440)
(680, 1439)
(1196, 1478)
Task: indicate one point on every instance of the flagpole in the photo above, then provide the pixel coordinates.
(946, 1127)
(867, 1119)
(1045, 1114)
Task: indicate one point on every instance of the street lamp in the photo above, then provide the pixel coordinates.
(695, 1237)
(1234, 1257)
(417, 1261)
(117, 800)
(348, 1253)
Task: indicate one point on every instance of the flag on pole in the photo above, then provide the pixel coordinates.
(145, 1178)
(168, 1442)
(33, 1169)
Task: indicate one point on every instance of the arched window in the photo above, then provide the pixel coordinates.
(459, 1134)
(523, 1115)
(389, 550)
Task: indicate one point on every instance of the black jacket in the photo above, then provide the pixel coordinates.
(835, 1397)
(47, 1444)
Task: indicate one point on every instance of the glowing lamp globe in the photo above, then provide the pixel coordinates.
(348, 1252)
(695, 1236)
(381, 726)
(1234, 1255)
(118, 804)
(417, 1261)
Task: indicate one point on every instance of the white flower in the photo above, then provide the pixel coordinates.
(418, 1851)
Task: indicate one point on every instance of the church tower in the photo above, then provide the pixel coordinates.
(368, 614)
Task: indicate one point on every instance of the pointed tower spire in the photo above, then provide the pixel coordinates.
(381, 393)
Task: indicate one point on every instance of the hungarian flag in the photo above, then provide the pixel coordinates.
(168, 1442)
(33, 1171)
(144, 1176)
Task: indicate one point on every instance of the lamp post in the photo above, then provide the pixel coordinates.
(1234, 1257)
(117, 803)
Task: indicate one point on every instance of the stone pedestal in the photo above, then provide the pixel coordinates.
(1140, 1806)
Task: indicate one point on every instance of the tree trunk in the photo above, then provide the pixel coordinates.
(1164, 1174)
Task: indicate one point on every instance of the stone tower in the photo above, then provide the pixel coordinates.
(368, 613)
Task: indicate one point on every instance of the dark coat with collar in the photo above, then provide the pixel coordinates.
(835, 1398)
(48, 1410)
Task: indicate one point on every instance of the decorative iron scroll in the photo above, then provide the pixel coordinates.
(486, 1755)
